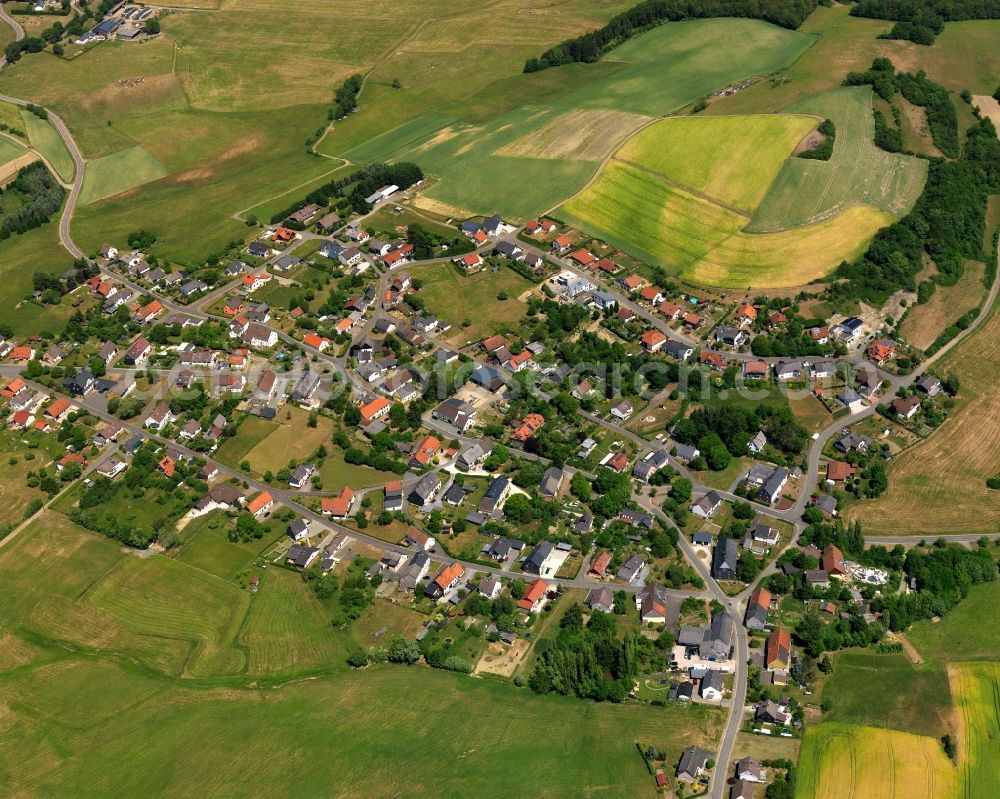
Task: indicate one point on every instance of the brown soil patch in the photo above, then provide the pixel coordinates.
(811, 140)
(121, 96)
(243, 146)
(501, 660)
(577, 136)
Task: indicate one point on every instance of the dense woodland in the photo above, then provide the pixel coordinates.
(34, 197)
(592, 46)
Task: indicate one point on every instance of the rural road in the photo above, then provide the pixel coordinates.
(15, 26)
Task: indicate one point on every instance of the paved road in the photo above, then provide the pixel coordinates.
(15, 26)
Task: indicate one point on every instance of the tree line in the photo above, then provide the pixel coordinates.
(920, 21)
(592, 46)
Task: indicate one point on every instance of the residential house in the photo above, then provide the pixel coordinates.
(849, 441)
(447, 578)
(424, 452)
(459, 414)
(724, 559)
(534, 597)
(601, 599)
(490, 587)
(692, 764)
(496, 495)
(425, 490)
(686, 453)
(707, 505)
(471, 458)
(778, 649)
(678, 350)
(631, 569)
(905, 407)
(833, 561)
(756, 444)
(758, 607)
(261, 504)
(789, 370)
(746, 314)
(542, 561)
(750, 770)
(652, 340)
(649, 465)
(928, 384)
(138, 353)
(755, 370)
(552, 480)
(159, 417)
(81, 383)
(338, 507)
(300, 475)
(298, 529)
(301, 555)
(880, 351)
(393, 499)
(712, 686)
(732, 336)
(651, 602)
(622, 410)
(418, 537)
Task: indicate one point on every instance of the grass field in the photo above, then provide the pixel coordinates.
(857, 693)
(657, 222)
(976, 687)
(479, 305)
(9, 150)
(114, 174)
(21, 256)
(846, 761)
(926, 322)
(939, 486)
(207, 546)
(806, 191)
(95, 641)
(45, 139)
(291, 438)
(970, 632)
(731, 159)
(497, 154)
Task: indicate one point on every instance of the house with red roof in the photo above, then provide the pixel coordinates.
(338, 507)
(528, 426)
(651, 294)
(671, 311)
(652, 340)
(561, 243)
(261, 503)
(583, 256)
(58, 409)
(424, 452)
(470, 261)
(746, 314)
(375, 409)
(167, 465)
(317, 342)
(599, 565)
(22, 353)
(881, 351)
(713, 360)
(534, 596)
(447, 578)
(617, 462)
(13, 387)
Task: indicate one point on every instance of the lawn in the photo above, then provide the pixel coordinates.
(479, 306)
(857, 693)
(15, 453)
(976, 687)
(114, 174)
(291, 439)
(846, 761)
(657, 222)
(807, 191)
(335, 473)
(45, 139)
(731, 159)
(970, 632)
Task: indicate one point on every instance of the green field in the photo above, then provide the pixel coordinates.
(469, 153)
(846, 761)
(977, 697)
(479, 306)
(45, 139)
(21, 256)
(9, 150)
(96, 640)
(970, 632)
(703, 241)
(114, 174)
(857, 693)
(207, 545)
(731, 159)
(807, 191)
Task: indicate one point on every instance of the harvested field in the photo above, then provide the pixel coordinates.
(989, 107)
(939, 486)
(577, 135)
(847, 761)
(806, 191)
(976, 688)
(926, 322)
(731, 159)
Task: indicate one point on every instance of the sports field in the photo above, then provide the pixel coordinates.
(846, 761)
(806, 191)
(703, 241)
(114, 174)
(731, 159)
(44, 138)
(976, 687)
(939, 486)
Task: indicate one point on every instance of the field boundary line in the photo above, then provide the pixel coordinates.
(682, 187)
(239, 214)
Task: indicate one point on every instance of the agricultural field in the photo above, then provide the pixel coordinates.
(73, 720)
(976, 687)
(488, 157)
(847, 761)
(926, 322)
(939, 486)
(10, 149)
(655, 221)
(480, 308)
(970, 632)
(114, 174)
(45, 139)
(686, 150)
(857, 693)
(807, 191)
